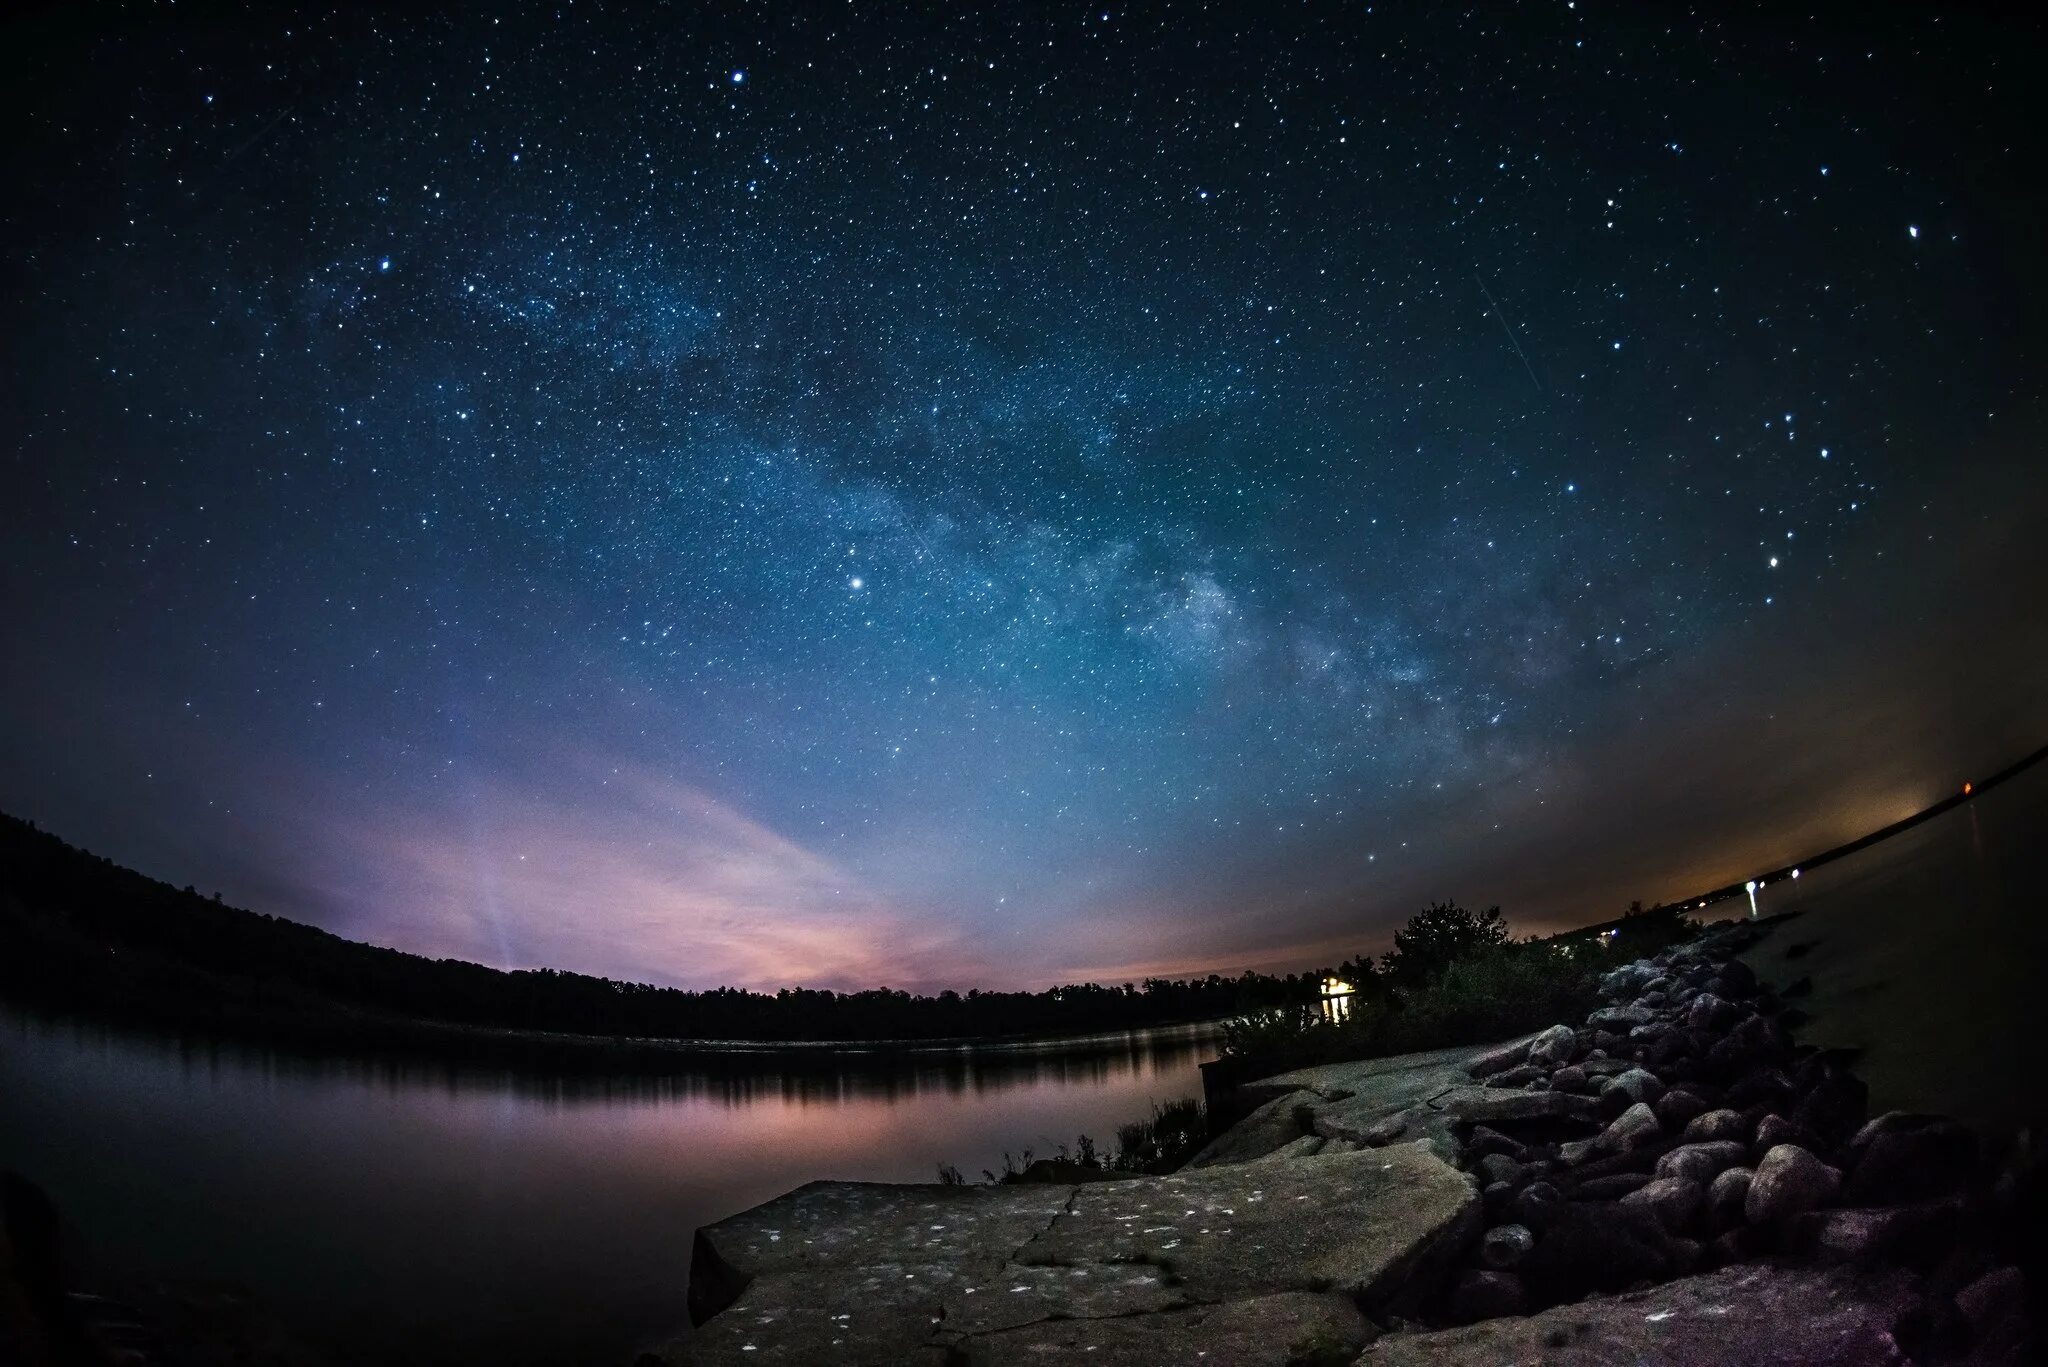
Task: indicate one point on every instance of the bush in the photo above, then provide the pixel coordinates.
(1453, 979)
(1169, 1137)
(1503, 991)
(1437, 937)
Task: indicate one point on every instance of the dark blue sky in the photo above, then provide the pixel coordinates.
(792, 494)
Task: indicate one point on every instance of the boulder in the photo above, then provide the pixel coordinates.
(1833, 1317)
(1554, 1047)
(1612, 1187)
(1710, 1012)
(1485, 1140)
(1620, 1018)
(1499, 1167)
(1637, 1084)
(1728, 1198)
(1500, 1057)
(1774, 1130)
(1762, 1086)
(1536, 1206)
(1911, 1162)
(1570, 1078)
(1573, 1152)
(1385, 1130)
(1596, 1246)
(1673, 1200)
(1702, 1163)
(1504, 1246)
(1864, 1234)
(1753, 1040)
(1484, 1294)
(1632, 1129)
(1735, 980)
(1721, 1124)
(1628, 980)
(1678, 1108)
(1521, 1075)
(1789, 1181)
(1482, 1105)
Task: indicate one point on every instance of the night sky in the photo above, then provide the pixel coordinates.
(817, 494)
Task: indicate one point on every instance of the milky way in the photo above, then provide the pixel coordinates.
(815, 495)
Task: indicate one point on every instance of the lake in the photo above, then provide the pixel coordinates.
(399, 1213)
(1926, 951)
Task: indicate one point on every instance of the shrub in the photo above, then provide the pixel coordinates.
(1454, 978)
(1437, 937)
(1502, 991)
(1169, 1137)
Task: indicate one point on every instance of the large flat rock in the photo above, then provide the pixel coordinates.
(1267, 1129)
(1283, 1330)
(1403, 1098)
(1353, 1222)
(1400, 1079)
(1750, 1314)
(1253, 1256)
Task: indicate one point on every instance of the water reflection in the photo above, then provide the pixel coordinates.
(820, 1076)
(393, 1208)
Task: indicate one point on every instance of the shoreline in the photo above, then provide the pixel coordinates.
(1630, 1179)
(332, 1028)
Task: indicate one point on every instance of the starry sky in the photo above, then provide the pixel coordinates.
(846, 494)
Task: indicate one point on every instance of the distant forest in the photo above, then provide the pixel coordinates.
(79, 932)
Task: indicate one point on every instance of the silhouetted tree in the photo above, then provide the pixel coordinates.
(1436, 937)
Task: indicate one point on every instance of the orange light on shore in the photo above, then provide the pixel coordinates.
(1967, 787)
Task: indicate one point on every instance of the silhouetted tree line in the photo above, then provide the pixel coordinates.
(80, 931)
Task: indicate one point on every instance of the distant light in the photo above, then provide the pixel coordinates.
(739, 78)
(385, 264)
(1912, 231)
(1750, 886)
(1966, 790)
(855, 582)
(1795, 873)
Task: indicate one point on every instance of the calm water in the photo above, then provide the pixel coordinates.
(405, 1214)
(1927, 951)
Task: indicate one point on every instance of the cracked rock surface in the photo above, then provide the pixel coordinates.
(1258, 1261)
(1744, 1314)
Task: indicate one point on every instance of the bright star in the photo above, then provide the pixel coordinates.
(855, 582)
(739, 78)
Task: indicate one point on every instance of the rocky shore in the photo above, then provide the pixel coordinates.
(1672, 1180)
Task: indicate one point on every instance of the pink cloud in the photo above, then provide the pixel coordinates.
(631, 876)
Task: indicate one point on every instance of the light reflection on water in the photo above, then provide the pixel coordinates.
(409, 1211)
